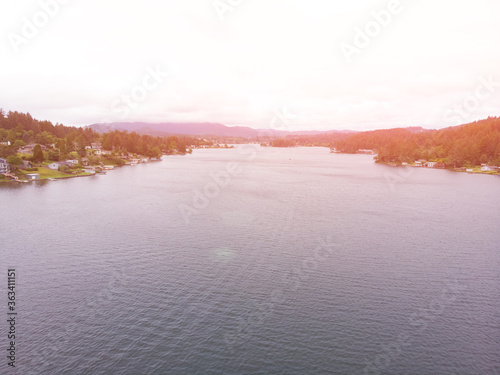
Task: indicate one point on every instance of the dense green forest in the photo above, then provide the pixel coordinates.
(459, 146)
(20, 129)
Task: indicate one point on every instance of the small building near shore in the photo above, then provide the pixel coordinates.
(33, 176)
(487, 168)
(54, 166)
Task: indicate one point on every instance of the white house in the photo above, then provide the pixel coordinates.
(54, 166)
(5, 143)
(486, 168)
(4, 166)
(33, 176)
(71, 162)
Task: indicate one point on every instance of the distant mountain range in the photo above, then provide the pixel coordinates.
(202, 129)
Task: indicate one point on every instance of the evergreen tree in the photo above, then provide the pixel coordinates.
(38, 154)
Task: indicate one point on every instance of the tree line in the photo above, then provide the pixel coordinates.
(471, 144)
(21, 129)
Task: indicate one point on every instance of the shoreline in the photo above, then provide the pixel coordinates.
(473, 170)
(53, 178)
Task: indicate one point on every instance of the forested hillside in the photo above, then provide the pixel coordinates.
(466, 145)
(20, 129)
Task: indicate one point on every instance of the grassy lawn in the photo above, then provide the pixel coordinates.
(46, 173)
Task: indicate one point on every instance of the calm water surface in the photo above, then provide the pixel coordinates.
(303, 262)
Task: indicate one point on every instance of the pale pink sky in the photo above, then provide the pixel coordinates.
(93, 61)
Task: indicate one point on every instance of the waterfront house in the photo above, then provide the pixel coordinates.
(71, 163)
(96, 146)
(486, 168)
(33, 176)
(54, 166)
(431, 164)
(26, 164)
(4, 166)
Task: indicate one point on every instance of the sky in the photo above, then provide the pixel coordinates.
(283, 64)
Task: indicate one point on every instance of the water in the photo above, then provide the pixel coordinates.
(303, 262)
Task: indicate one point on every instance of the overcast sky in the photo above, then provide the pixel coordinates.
(289, 64)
